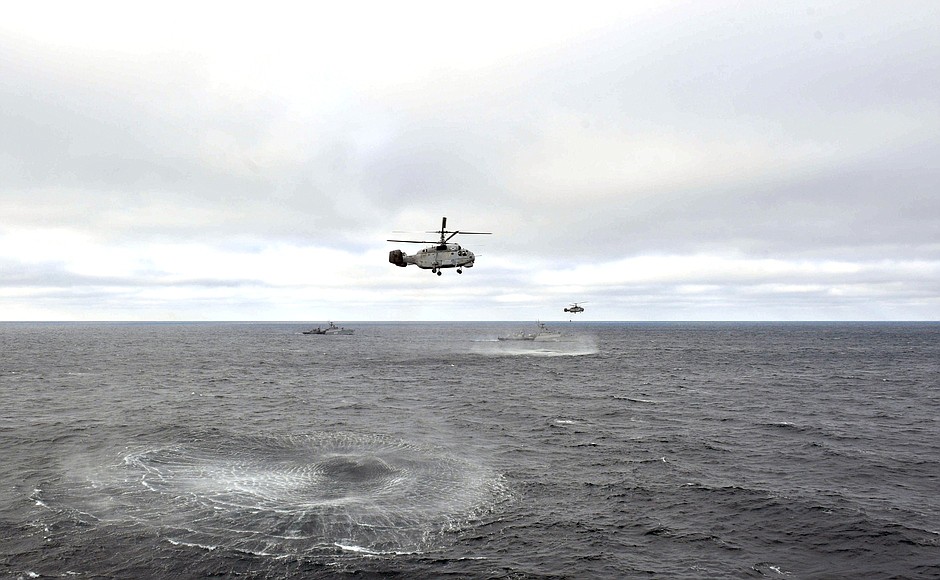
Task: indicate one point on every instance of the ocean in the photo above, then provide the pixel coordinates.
(434, 450)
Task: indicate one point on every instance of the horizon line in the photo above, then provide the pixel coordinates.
(309, 321)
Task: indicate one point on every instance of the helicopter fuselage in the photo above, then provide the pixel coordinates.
(435, 258)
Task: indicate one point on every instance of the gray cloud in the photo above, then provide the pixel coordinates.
(752, 133)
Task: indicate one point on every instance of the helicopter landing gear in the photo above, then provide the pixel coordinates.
(459, 271)
(434, 271)
(439, 272)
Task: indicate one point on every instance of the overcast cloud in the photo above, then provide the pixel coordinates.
(659, 161)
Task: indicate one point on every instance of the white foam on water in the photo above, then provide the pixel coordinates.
(577, 345)
(290, 494)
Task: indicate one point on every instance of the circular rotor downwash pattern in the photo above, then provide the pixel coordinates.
(275, 495)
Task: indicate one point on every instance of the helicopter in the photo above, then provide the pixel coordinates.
(441, 254)
(575, 307)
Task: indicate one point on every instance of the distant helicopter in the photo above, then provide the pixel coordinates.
(574, 308)
(438, 256)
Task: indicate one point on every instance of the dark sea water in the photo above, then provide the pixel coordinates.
(433, 450)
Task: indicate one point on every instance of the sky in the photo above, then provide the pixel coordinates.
(718, 160)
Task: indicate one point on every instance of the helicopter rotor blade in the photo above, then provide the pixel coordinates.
(443, 232)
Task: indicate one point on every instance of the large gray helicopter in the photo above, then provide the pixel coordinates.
(441, 254)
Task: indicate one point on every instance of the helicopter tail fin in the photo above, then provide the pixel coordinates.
(397, 257)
